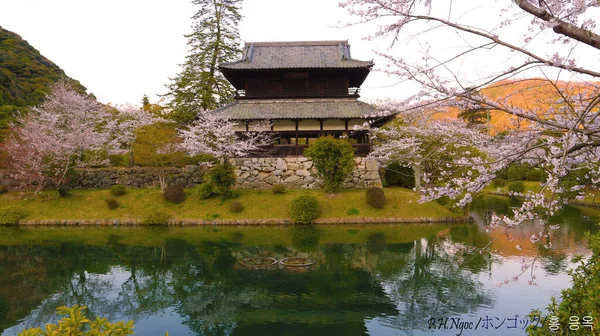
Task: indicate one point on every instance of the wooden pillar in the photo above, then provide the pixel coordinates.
(321, 127)
(296, 137)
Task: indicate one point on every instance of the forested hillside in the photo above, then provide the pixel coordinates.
(25, 76)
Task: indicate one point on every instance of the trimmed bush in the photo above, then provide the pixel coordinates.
(118, 190)
(156, 218)
(119, 160)
(498, 183)
(352, 212)
(112, 203)
(516, 186)
(205, 190)
(334, 160)
(11, 216)
(174, 194)
(517, 171)
(222, 177)
(3, 189)
(63, 191)
(397, 175)
(236, 207)
(278, 188)
(376, 198)
(305, 209)
(535, 175)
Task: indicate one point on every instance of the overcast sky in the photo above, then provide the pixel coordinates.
(122, 49)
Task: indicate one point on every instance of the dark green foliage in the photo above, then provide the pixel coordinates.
(25, 77)
(118, 190)
(535, 175)
(236, 207)
(567, 192)
(352, 212)
(174, 194)
(156, 218)
(475, 116)
(397, 175)
(305, 209)
(498, 182)
(205, 190)
(278, 188)
(580, 175)
(222, 178)
(11, 216)
(305, 237)
(376, 197)
(517, 171)
(63, 191)
(112, 203)
(580, 300)
(334, 160)
(516, 186)
(3, 189)
(214, 40)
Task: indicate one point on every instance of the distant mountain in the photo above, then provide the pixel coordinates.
(25, 76)
(530, 94)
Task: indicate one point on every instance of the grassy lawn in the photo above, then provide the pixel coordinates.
(592, 196)
(138, 203)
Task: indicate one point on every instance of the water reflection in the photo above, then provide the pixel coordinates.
(373, 279)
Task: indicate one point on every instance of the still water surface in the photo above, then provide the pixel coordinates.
(366, 280)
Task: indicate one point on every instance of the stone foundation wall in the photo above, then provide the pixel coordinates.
(258, 173)
(135, 177)
(298, 172)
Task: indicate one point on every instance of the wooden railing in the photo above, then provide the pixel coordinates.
(351, 92)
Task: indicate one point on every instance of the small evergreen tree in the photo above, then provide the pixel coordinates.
(215, 39)
(334, 160)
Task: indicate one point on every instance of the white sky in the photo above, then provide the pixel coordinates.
(122, 49)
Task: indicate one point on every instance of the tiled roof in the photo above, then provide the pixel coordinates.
(296, 109)
(304, 54)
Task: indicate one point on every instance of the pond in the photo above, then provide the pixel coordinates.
(352, 280)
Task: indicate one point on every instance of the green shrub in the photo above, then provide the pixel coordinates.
(63, 191)
(535, 175)
(278, 188)
(352, 212)
(516, 186)
(119, 160)
(11, 216)
(334, 160)
(222, 177)
(498, 182)
(305, 209)
(580, 300)
(517, 171)
(205, 190)
(74, 322)
(3, 189)
(174, 194)
(236, 207)
(397, 175)
(157, 218)
(376, 197)
(112, 203)
(118, 190)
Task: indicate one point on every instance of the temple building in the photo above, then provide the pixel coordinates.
(301, 90)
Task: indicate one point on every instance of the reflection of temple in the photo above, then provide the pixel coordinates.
(305, 89)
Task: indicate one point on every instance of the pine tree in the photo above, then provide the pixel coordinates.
(215, 40)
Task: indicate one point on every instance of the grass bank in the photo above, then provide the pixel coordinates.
(139, 203)
(591, 198)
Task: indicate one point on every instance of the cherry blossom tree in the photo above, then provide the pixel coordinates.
(129, 119)
(211, 134)
(561, 135)
(61, 134)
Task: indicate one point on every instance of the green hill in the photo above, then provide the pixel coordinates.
(25, 76)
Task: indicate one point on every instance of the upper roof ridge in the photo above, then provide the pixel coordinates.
(296, 43)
